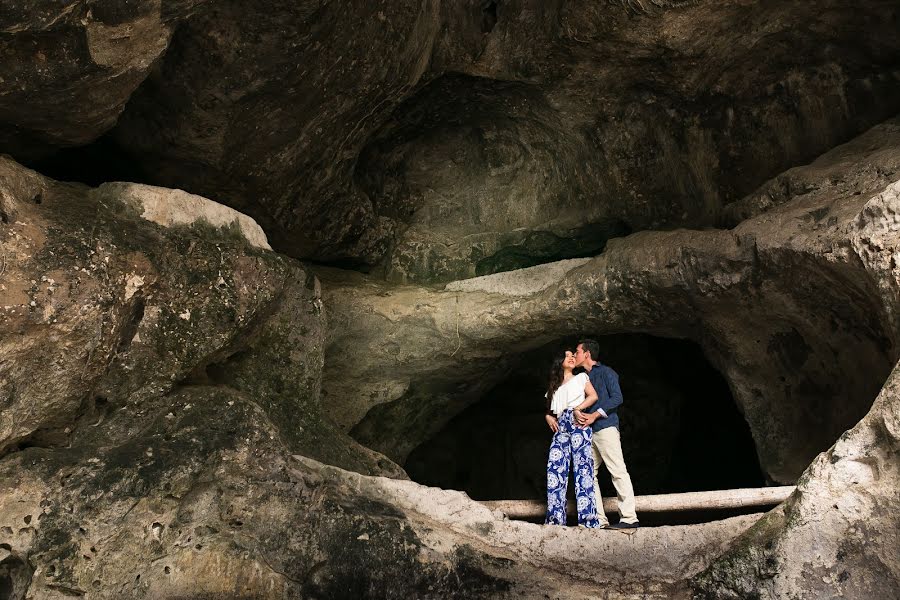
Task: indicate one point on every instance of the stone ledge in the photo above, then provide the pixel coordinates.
(522, 282)
(168, 207)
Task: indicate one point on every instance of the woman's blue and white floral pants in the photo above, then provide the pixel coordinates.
(571, 444)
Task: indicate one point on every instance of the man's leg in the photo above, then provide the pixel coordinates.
(608, 444)
(598, 460)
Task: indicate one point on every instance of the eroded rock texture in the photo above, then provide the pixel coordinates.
(841, 523)
(433, 141)
(104, 311)
(624, 122)
(185, 413)
(797, 307)
(160, 403)
(69, 66)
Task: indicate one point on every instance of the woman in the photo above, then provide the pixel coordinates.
(565, 394)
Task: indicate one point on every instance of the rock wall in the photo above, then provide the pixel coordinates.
(161, 400)
(104, 310)
(796, 307)
(185, 413)
(837, 535)
(70, 67)
(160, 403)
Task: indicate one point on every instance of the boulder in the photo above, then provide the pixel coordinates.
(837, 535)
(114, 297)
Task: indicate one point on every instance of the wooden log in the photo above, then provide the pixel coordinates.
(689, 501)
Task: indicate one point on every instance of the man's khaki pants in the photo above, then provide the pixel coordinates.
(607, 447)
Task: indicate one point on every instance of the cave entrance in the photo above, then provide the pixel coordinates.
(681, 429)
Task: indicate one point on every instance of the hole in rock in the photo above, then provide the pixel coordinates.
(15, 578)
(41, 438)
(130, 328)
(680, 427)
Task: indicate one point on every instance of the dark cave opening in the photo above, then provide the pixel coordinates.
(93, 164)
(15, 575)
(681, 429)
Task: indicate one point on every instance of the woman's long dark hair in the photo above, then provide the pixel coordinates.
(555, 379)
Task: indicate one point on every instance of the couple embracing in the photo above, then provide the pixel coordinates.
(581, 412)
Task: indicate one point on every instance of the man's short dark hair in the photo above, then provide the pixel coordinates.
(591, 346)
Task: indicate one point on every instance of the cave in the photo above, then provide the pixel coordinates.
(279, 282)
(681, 430)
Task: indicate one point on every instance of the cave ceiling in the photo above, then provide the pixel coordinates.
(450, 189)
(429, 141)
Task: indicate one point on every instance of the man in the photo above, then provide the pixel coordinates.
(605, 441)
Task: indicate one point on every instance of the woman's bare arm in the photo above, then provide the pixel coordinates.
(590, 396)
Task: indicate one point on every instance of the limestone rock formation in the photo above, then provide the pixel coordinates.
(187, 413)
(542, 148)
(148, 459)
(842, 523)
(69, 67)
(160, 403)
(109, 303)
(796, 307)
(434, 141)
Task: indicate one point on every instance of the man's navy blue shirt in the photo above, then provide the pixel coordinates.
(609, 395)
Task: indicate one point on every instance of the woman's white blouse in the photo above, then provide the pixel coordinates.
(569, 395)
